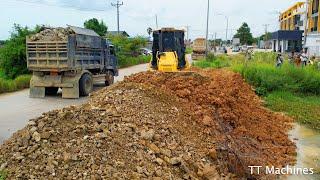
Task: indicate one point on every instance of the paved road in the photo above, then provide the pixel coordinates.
(17, 108)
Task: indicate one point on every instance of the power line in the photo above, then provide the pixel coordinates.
(118, 13)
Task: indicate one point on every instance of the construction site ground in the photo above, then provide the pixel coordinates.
(204, 124)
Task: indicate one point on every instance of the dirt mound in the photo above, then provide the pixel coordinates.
(246, 133)
(128, 131)
(52, 34)
(186, 125)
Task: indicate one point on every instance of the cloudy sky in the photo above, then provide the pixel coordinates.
(137, 15)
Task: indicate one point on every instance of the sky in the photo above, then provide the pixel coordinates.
(137, 15)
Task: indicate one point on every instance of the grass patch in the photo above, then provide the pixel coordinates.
(189, 50)
(8, 85)
(305, 109)
(125, 61)
(212, 61)
(3, 175)
(266, 78)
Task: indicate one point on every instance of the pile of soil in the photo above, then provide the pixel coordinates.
(200, 125)
(128, 131)
(53, 34)
(246, 133)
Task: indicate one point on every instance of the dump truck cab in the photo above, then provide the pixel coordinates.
(168, 50)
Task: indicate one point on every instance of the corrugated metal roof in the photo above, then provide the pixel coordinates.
(83, 31)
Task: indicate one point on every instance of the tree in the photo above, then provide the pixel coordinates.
(13, 53)
(99, 27)
(128, 46)
(149, 30)
(244, 34)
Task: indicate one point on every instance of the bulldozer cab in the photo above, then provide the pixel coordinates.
(168, 40)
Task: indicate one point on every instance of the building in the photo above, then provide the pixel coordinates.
(293, 24)
(294, 17)
(287, 41)
(313, 29)
(124, 33)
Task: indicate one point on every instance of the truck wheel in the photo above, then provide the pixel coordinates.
(51, 90)
(109, 79)
(85, 85)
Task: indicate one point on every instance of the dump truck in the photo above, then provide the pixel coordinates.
(198, 48)
(73, 60)
(169, 51)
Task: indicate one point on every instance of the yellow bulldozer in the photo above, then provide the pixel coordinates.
(169, 51)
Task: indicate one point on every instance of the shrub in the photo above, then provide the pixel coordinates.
(8, 85)
(13, 53)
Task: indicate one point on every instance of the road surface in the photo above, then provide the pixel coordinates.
(17, 108)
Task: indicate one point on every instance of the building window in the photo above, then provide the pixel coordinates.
(315, 6)
(315, 24)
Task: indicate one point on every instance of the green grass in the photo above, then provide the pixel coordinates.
(212, 61)
(125, 61)
(266, 78)
(305, 109)
(3, 175)
(188, 50)
(8, 85)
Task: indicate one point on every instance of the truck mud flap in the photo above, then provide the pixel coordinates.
(37, 92)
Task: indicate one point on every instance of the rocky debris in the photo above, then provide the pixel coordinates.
(200, 125)
(128, 131)
(246, 132)
(52, 34)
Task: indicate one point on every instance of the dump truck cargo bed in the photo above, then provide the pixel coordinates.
(72, 59)
(79, 52)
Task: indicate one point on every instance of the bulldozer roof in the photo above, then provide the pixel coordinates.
(169, 29)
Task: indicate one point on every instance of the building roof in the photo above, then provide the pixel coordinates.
(83, 31)
(287, 35)
(116, 32)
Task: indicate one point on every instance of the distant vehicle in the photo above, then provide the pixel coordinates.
(198, 48)
(222, 49)
(244, 48)
(250, 47)
(236, 49)
(145, 52)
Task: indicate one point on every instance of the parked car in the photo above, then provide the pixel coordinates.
(145, 52)
(236, 49)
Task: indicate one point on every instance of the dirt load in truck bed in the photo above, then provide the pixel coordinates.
(203, 125)
(52, 34)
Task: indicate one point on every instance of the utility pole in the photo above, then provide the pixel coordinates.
(265, 36)
(118, 13)
(157, 21)
(227, 30)
(214, 42)
(188, 27)
(207, 32)
(306, 21)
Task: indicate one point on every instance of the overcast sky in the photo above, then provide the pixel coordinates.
(137, 15)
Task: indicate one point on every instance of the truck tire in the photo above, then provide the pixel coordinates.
(109, 79)
(85, 85)
(51, 90)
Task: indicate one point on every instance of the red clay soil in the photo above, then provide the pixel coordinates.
(246, 132)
